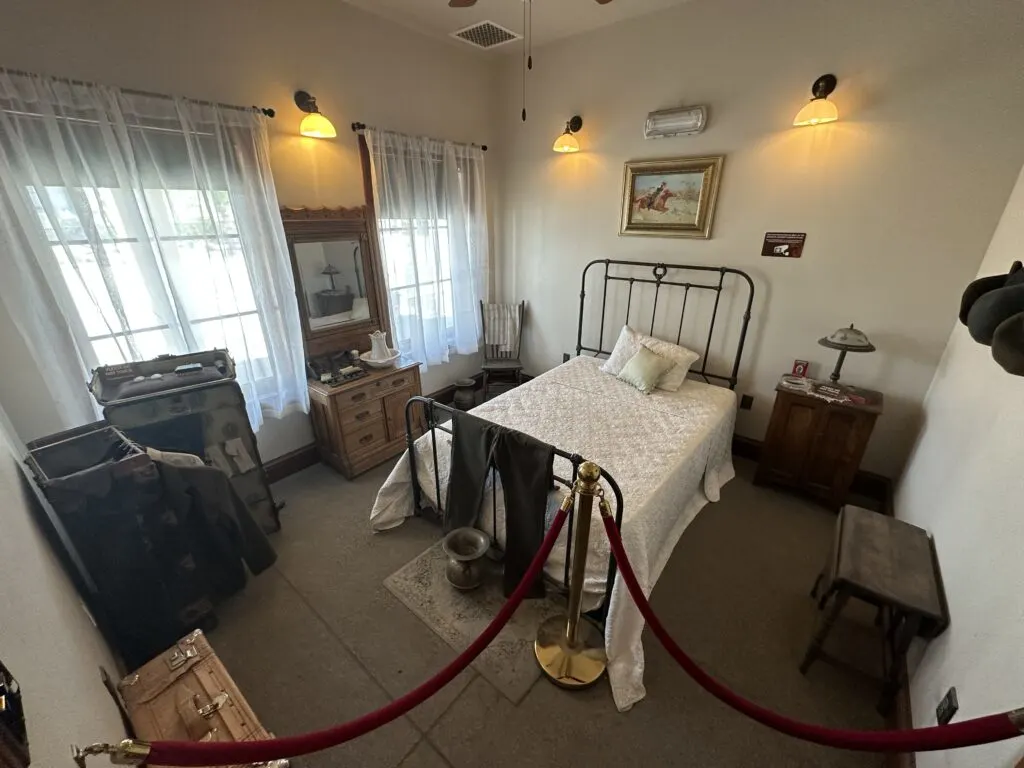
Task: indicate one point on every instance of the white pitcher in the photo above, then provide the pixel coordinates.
(379, 349)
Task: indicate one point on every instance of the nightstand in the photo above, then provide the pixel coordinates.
(817, 436)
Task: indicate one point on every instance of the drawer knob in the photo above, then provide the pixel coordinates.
(362, 416)
(398, 382)
(366, 439)
(358, 396)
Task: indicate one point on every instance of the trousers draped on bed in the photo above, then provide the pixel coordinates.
(525, 467)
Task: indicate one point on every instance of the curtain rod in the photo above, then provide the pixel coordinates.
(360, 127)
(266, 111)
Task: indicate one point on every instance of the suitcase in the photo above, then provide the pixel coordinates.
(191, 403)
(186, 694)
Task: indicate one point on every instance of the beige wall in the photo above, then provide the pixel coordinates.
(359, 67)
(898, 200)
(47, 639)
(964, 483)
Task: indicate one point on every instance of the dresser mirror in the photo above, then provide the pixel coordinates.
(338, 280)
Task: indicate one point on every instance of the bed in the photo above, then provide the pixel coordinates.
(665, 456)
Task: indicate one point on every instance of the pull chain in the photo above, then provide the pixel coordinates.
(526, 37)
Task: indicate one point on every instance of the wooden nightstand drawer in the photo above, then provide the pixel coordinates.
(361, 413)
(366, 438)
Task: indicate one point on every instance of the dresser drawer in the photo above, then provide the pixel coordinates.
(356, 397)
(395, 382)
(361, 413)
(360, 439)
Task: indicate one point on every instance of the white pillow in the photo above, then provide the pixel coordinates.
(683, 358)
(629, 342)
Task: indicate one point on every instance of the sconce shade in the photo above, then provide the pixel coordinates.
(317, 126)
(816, 112)
(566, 143)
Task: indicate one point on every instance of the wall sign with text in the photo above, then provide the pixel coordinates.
(788, 245)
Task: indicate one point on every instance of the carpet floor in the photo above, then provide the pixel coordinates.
(318, 639)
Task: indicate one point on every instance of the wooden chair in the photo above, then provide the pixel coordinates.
(502, 358)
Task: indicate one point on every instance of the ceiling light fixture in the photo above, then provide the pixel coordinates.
(567, 142)
(314, 124)
(819, 109)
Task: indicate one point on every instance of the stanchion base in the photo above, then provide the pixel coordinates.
(570, 666)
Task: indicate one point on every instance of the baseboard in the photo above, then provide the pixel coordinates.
(291, 462)
(865, 483)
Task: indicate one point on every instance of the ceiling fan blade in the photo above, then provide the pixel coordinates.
(461, 3)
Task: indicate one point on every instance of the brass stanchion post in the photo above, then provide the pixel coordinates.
(569, 649)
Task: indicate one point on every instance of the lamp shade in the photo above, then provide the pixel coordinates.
(816, 112)
(317, 126)
(849, 340)
(566, 143)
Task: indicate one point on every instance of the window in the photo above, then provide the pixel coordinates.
(432, 225)
(134, 305)
(419, 275)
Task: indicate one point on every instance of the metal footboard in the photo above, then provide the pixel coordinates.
(435, 416)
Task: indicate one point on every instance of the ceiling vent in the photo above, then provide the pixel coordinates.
(485, 34)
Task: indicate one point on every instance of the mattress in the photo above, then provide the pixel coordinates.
(669, 452)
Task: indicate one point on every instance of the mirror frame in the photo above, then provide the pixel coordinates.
(316, 225)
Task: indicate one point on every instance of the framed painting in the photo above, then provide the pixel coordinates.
(670, 198)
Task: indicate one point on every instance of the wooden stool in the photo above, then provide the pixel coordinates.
(891, 565)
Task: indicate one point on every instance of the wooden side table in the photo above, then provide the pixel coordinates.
(891, 565)
(816, 438)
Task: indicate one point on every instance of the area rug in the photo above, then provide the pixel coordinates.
(458, 617)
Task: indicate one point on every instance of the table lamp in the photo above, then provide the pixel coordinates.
(846, 340)
(330, 270)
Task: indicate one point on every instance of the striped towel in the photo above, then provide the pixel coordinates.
(501, 326)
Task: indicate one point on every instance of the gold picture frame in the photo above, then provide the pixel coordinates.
(671, 198)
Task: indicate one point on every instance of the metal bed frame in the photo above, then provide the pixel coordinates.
(435, 415)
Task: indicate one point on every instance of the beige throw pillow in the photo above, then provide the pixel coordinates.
(644, 369)
(630, 341)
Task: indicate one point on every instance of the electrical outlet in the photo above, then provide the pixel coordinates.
(565, 357)
(947, 707)
(746, 402)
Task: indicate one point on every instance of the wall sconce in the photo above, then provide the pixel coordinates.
(567, 142)
(313, 124)
(819, 109)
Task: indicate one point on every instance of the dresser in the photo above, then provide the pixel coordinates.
(361, 423)
(816, 439)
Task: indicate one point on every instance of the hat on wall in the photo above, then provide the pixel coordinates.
(992, 308)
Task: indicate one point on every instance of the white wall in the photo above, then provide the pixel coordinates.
(964, 483)
(898, 199)
(359, 67)
(46, 638)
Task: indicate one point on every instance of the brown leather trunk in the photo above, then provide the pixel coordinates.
(186, 694)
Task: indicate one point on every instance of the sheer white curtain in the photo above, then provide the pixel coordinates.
(133, 226)
(432, 223)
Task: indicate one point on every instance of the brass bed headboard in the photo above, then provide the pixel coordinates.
(684, 276)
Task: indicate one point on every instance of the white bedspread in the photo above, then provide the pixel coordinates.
(669, 452)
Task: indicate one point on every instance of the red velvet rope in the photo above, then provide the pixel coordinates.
(185, 753)
(981, 730)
